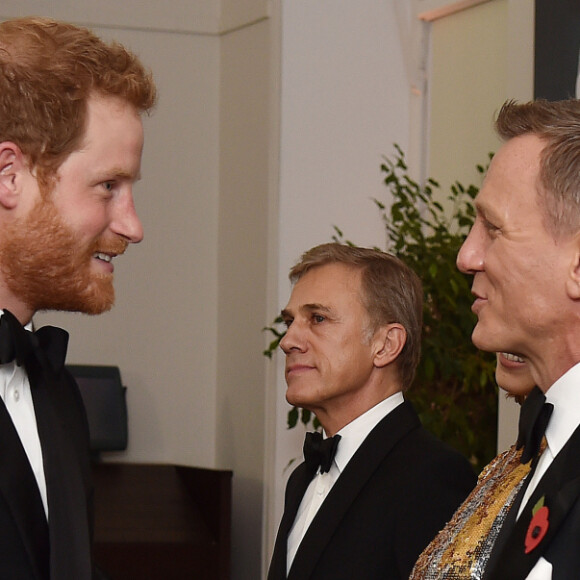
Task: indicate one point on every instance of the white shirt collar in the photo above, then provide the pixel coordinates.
(564, 394)
(353, 434)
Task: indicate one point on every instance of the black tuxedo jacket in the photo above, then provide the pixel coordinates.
(399, 489)
(560, 488)
(31, 548)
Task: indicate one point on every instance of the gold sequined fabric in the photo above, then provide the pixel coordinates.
(461, 550)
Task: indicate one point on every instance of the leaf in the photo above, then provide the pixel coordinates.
(305, 416)
(538, 505)
(338, 231)
(292, 418)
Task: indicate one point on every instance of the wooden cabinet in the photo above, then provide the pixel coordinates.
(162, 522)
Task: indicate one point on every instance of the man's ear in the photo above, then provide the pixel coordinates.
(573, 280)
(390, 340)
(12, 162)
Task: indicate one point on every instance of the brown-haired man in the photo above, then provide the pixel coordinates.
(352, 345)
(71, 139)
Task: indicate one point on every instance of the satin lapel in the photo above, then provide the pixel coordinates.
(360, 468)
(560, 487)
(69, 527)
(295, 490)
(22, 497)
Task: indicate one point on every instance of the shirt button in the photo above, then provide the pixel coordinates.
(16, 395)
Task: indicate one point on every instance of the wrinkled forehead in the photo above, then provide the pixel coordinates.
(329, 284)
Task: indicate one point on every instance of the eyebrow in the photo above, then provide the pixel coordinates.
(119, 173)
(485, 211)
(285, 313)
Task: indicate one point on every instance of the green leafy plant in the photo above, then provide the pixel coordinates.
(454, 390)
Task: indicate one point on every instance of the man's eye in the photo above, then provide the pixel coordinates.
(287, 322)
(317, 318)
(490, 227)
(108, 185)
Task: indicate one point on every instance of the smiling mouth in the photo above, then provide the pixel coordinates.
(513, 357)
(104, 257)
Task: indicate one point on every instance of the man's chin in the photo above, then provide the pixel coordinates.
(98, 304)
(97, 299)
(296, 398)
(93, 309)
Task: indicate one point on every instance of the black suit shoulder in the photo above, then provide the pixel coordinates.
(434, 483)
(26, 539)
(427, 481)
(399, 489)
(64, 436)
(74, 415)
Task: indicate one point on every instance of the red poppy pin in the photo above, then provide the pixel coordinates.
(538, 526)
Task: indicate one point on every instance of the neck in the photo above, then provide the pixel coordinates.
(14, 303)
(545, 373)
(334, 419)
(23, 315)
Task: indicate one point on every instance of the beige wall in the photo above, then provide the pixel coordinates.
(467, 85)
(242, 281)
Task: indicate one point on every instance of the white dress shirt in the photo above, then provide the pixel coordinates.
(17, 396)
(352, 436)
(564, 394)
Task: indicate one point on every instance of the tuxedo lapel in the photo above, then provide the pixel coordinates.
(356, 474)
(296, 488)
(560, 488)
(70, 555)
(21, 495)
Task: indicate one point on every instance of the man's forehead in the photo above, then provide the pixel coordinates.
(494, 199)
(328, 279)
(328, 289)
(311, 293)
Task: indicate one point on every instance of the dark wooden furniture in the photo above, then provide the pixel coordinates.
(162, 522)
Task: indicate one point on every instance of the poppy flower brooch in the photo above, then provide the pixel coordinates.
(538, 527)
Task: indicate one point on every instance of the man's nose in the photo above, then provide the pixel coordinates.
(125, 221)
(292, 339)
(470, 255)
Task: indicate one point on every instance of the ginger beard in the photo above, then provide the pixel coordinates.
(45, 265)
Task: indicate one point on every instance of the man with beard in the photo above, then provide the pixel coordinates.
(71, 139)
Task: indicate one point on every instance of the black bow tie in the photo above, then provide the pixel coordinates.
(534, 417)
(20, 345)
(319, 452)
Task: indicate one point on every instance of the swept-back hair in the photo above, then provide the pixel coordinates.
(557, 123)
(391, 292)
